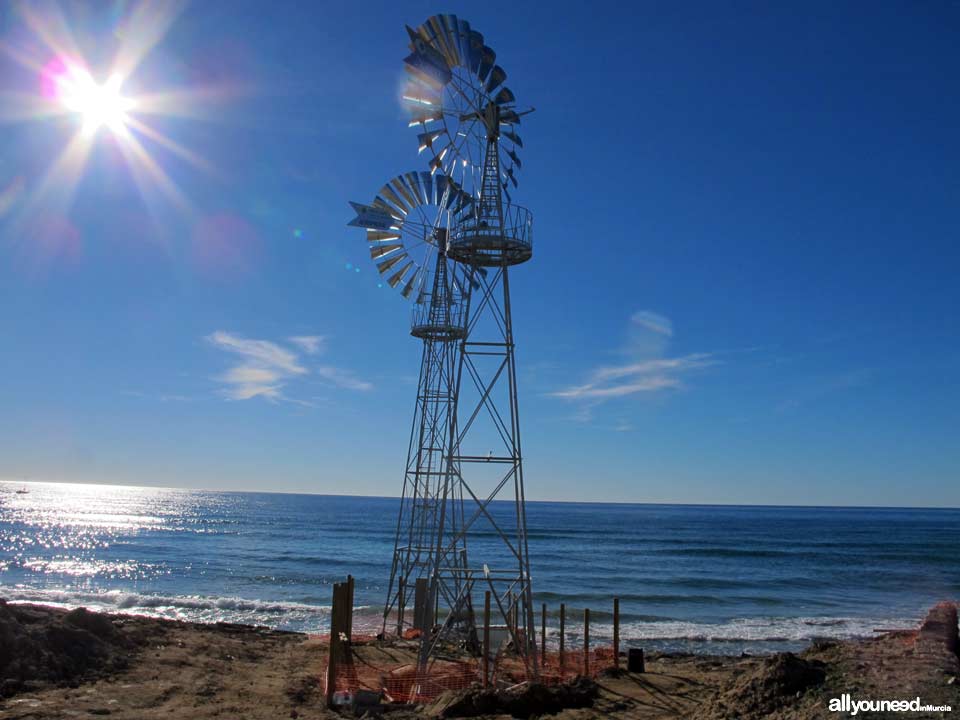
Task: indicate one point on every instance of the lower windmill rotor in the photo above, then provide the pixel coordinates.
(407, 221)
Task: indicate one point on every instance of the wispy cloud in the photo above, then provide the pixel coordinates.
(653, 322)
(648, 370)
(264, 368)
(310, 344)
(343, 378)
(605, 383)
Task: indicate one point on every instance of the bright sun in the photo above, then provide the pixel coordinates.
(99, 105)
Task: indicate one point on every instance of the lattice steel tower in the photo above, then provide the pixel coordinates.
(464, 113)
(468, 485)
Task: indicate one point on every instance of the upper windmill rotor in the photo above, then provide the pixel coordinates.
(457, 100)
(407, 221)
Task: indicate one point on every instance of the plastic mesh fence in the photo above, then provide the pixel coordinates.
(384, 668)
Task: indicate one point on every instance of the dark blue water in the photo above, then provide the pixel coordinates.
(703, 578)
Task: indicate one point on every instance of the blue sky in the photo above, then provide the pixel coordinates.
(743, 288)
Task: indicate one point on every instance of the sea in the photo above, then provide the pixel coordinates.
(697, 578)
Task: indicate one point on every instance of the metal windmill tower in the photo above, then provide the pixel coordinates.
(408, 226)
(464, 114)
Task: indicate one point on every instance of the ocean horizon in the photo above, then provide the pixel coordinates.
(702, 578)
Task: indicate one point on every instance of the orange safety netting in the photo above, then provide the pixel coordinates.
(384, 668)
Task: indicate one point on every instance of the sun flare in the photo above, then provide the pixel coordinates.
(98, 105)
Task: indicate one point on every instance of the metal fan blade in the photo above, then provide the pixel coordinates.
(424, 41)
(487, 58)
(511, 176)
(504, 97)
(441, 182)
(482, 272)
(417, 93)
(463, 39)
(378, 236)
(423, 115)
(513, 137)
(509, 117)
(426, 180)
(450, 32)
(435, 163)
(435, 29)
(497, 76)
(408, 288)
(392, 197)
(395, 279)
(379, 251)
(427, 61)
(384, 267)
(513, 156)
(509, 199)
(413, 179)
(475, 41)
(370, 217)
(426, 139)
(400, 186)
(380, 203)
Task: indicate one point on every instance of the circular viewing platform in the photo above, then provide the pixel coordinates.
(442, 320)
(477, 241)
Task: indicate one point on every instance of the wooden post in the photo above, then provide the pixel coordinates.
(349, 630)
(543, 635)
(333, 649)
(486, 638)
(586, 641)
(420, 605)
(563, 616)
(400, 601)
(616, 633)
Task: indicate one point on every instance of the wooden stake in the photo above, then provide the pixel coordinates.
(616, 633)
(349, 630)
(486, 638)
(543, 635)
(400, 601)
(563, 616)
(333, 647)
(586, 641)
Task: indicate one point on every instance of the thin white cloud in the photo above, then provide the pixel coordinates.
(264, 368)
(652, 321)
(343, 378)
(310, 344)
(649, 371)
(614, 382)
(260, 353)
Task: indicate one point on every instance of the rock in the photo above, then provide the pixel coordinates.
(94, 623)
(39, 647)
(938, 641)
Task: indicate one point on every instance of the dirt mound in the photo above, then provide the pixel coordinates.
(37, 645)
(780, 680)
(522, 701)
(938, 641)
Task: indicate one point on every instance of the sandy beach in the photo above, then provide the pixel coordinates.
(76, 664)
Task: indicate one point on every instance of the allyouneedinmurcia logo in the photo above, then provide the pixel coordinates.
(846, 704)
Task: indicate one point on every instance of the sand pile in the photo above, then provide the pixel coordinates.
(780, 680)
(37, 646)
(522, 701)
